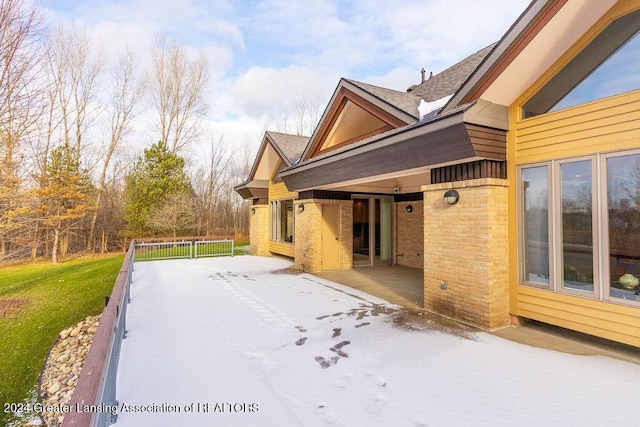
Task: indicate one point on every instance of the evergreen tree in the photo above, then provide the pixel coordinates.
(155, 176)
(63, 194)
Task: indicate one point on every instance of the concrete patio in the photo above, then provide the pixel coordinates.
(404, 286)
(243, 341)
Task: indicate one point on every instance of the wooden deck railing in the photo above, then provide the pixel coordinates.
(94, 400)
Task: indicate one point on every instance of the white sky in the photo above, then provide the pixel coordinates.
(265, 55)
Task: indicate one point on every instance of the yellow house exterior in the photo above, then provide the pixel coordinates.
(601, 127)
(540, 177)
(272, 218)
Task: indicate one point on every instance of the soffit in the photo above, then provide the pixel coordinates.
(354, 113)
(574, 19)
(266, 162)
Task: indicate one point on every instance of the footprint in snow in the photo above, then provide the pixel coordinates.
(323, 317)
(360, 325)
(377, 380)
(376, 404)
(336, 332)
(301, 341)
(324, 363)
(338, 348)
(301, 329)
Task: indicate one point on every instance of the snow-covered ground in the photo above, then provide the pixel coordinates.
(241, 342)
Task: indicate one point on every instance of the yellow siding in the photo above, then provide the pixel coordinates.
(286, 249)
(609, 124)
(603, 319)
(601, 126)
(280, 191)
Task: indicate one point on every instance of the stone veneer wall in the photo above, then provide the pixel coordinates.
(308, 234)
(259, 230)
(466, 251)
(410, 234)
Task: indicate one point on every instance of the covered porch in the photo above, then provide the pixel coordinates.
(395, 283)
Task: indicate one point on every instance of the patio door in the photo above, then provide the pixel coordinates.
(372, 225)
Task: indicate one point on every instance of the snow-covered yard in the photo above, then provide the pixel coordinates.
(241, 342)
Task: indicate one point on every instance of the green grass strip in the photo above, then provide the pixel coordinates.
(49, 298)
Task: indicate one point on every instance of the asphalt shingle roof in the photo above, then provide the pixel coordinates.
(291, 146)
(450, 80)
(404, 101)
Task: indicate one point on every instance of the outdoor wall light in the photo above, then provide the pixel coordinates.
(451, 197)
(300, 208)
(409, 208)
(253, 211)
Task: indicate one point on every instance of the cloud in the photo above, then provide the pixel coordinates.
(264, 89)
(264, 55)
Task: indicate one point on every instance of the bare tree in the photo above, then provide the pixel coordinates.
(177, 87)
(308, 113)
(73, 68)
(305, 118)
(240, 171)
(125, 96)
(208, 185)
(20, 32)
(175, 214)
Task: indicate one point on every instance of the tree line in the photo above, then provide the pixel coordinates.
(71, 179)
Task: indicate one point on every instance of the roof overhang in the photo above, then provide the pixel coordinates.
(269, 154)
(254, 189)
(346, 90)
(540, 36)
(446, 140)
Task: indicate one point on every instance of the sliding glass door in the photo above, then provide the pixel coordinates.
(372, 230)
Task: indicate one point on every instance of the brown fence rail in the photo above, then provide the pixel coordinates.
(94, 400)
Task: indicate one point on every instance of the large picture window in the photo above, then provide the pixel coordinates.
(608, 66)
(576, 225)
(580, 226)
(282, 221)
(623, 225)
(535, 233)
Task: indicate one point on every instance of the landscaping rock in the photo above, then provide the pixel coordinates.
(63, 367)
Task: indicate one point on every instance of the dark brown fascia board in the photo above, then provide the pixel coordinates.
(334, 106)
(445, 141)
(252, 189)
(410, 131)
(517, 37)
(392, 109)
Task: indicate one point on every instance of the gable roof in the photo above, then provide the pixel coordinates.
(287, 147)
(290, 146)
(537, 39)
(449, 81)
(404, 101)
(402, 105)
